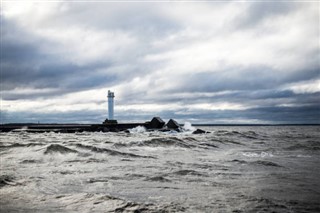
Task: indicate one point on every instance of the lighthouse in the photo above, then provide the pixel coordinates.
(110, 104)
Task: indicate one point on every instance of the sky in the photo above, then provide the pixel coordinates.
(219, 62)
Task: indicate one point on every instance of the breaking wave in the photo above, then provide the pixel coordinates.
(56, 148)
(14, 145)
(110, 151)
(266, 163)
(247, 134)
(158, 142)
(6, 180)
(188, 127)
(138, 129)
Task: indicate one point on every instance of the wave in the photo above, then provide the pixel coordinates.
(20, 145)
(261, 204)
(6, 180)
(30, 161)
(307, 147)
(158, 142)
(239, 161)
(96, 180)
(58, 148)
(259, 162)
(185, 172)
(188, 143)
(266, 163)
(138, 129)
(207, 145)
(188, 127)
(257, 155)
(110, 203)
(158, 179)
(110, 151)
(247, 134)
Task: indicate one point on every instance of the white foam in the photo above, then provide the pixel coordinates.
(138, 129)
(257, 155)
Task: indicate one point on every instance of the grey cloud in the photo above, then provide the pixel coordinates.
(67, 76)
(260, 11)
(82, 116)
(271, 115)
(239, 78)
(146, 20)
(25, 63)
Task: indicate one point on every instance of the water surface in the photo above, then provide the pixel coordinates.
(231, 169)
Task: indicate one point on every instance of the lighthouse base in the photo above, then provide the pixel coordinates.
(107, 121)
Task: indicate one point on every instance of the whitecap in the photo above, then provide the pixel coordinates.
(188, 127)
(257, 155)
(138, 129)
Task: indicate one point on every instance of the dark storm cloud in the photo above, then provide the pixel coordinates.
(306, 114)
(64, 76)
(258, 98)
(289, 115)
(239, 78)
(24, 64)
(83, 116)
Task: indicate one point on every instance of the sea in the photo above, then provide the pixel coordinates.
(227, 169)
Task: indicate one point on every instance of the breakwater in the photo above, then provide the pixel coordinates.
(108, 126)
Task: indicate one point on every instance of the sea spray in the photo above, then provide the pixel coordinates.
(138, 129)
(188, 127)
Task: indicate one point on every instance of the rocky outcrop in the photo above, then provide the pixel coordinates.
(156, 123)
(172, 124)
(199, 131)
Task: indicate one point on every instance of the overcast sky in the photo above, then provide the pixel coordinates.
(202, 62)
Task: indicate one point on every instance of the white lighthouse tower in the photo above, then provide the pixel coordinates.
(110, 104)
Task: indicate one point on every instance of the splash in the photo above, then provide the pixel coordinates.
(188, 127)
(138, 129)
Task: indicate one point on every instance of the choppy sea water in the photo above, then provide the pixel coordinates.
(231, 169)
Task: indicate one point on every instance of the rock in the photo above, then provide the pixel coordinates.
(172, 124)
(114, 130)
(156, 123)
(199, 131)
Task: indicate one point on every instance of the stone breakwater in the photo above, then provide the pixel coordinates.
(108, 126)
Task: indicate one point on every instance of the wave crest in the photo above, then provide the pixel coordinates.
(58, 148)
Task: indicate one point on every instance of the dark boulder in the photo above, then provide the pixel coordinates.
(172, 124)
(156, 123)
(199, 131)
